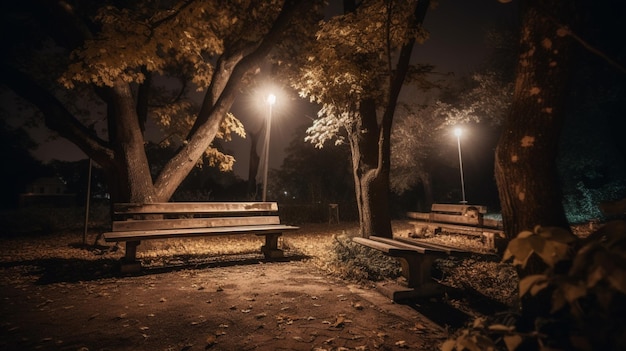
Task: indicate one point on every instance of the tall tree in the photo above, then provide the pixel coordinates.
(126, 54)
(362, 62)
(525, 161)
(525, 169)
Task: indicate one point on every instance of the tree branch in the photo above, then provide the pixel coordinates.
(57, 117)
(594, 51)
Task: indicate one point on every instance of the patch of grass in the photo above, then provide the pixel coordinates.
(483, 274)
(353, 261)
(329, 247)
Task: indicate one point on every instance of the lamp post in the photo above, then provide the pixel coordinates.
(458, 132)
(271, 99)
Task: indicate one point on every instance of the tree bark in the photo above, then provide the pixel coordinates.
(525, 160)
(371, 174)
(371, 144)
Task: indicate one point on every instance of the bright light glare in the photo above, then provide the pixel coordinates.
(271, 99)
(458, 132)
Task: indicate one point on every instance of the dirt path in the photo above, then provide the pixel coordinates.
(249, 305)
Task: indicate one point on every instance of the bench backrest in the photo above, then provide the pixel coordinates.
(183, 215)
(458, 208)
(458, 213)
(194, 207)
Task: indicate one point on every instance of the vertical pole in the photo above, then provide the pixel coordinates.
(458, 139)
(270, 100)
(87, 203)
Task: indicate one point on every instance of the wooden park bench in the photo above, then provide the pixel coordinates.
(458, 218)
(416, 258)
(135, 222)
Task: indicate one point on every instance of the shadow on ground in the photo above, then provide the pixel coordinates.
(446, 312)
(60, 270)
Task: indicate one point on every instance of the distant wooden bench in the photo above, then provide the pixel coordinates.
(416, 258)
(459, 218)
(135, 222)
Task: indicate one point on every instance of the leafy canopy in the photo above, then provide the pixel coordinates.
(180, 46)
(185, 39)
(352, 62)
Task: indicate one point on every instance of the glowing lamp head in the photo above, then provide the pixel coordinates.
(458, 132)
(271, 99)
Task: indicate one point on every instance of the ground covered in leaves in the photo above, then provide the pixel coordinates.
(58, 293)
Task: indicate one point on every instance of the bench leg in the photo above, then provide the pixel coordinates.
(129, 263)
(490, 240)
(270, 249)
(419, 283)
(417, 270)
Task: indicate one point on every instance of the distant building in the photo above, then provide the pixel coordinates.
(47, 191)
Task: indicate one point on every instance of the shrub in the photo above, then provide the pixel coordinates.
(353, 261)
(585, 281)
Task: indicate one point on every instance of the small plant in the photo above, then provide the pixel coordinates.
(585, 282)
(357, 262)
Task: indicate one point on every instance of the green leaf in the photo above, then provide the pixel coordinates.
(528, 282)
(478, 323)
(596, 275)
(573, 292)
(484, 343)
(501, 328)
(536, 288)
(537, 243)
(520, 249)
(512, 341)
(551, 252)
(448, 345)
(507, 254)
(469, 343)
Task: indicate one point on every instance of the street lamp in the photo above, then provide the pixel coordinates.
(271, 99)
(458, 132)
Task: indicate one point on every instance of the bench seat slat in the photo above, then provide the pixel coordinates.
(424, 249)
(391, 250)
(193, 207)
(180, 223)
(444, 248)
(192, 232)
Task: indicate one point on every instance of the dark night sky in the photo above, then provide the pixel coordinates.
(457, 44)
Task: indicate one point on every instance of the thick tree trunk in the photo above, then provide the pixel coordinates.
(525, 163)
(370, 141)
(132, 178)
(371, 176)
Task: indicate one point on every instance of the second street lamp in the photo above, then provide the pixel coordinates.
(458, 132)
(271, 99)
